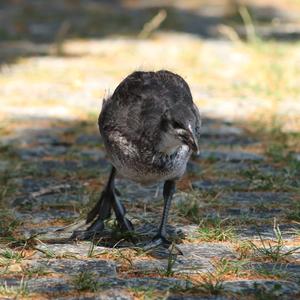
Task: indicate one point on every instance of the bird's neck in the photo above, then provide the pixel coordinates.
(168, 144)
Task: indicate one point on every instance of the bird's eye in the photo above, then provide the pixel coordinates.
(176, 124)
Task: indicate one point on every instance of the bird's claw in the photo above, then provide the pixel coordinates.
(158, 240)
(93, 230)
(97, 227)
(81, 235)
(125, 224)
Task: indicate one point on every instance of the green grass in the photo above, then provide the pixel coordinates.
(169, 271)
(7, 186)
(7, 151)
(262, 294)
(227, 266)
(244, 249)
(91, 250)
(294, 213)
(146, 293)
(277, 151)
(283, 179)
(34, 272)
(85, 281)
(278, 142)
(20, 290)
(216, 229)
(277, 271)
(8, 225)
(211, 285)
(193, 202)
(273, 251)
(189, 209)
(9, 256)
(47, 252)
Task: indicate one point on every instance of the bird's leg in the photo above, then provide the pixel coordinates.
(102, 211)
(104, 204)
(160, 237)
(120, 212)
(107, 201)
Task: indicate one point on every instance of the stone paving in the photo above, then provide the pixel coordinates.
(221, 221)
(235, 219)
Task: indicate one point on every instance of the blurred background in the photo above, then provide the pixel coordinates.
(240, 57)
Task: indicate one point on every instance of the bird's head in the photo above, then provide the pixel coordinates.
(180, 126)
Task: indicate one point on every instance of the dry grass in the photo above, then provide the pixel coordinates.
(256, 76)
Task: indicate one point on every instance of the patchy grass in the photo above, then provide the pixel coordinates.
(278, 272)
(274, 250)
(168, 272)
(8, 225)
(262, 293)
(21, 290)
(193, 204)
(208, 284)
(281, 179)
(34, 272)
(216, 229)
(244, 249)
(189, 209)
(85, 281)
(146, 293)
(7, 186)
(259, 67)
(258, 78)
(211, 284)
(229, 267)
(9, 256)
(278, 142)
(47, 252)
(294, 213)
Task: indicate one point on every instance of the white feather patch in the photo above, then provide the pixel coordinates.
(169, 143)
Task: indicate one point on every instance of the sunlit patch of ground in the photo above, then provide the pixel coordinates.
(229, 80)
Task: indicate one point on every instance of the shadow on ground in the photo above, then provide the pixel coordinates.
(52, 174)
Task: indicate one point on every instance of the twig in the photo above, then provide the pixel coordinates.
(249, 26)
(153, 24)
(60, 37)
(50, 190)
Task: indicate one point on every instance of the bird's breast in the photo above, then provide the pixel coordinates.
(146, 165)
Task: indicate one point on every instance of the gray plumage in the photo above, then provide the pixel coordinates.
(150, 127)
(134, 125)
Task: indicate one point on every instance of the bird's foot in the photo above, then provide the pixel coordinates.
(97, 229)
(91, 232)
(166, 247)
(158, 240)
(125, 225)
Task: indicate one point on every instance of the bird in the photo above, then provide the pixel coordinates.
(150, 126)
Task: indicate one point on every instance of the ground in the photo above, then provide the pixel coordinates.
(235, 219)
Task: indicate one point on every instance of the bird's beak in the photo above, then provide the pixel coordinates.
(189, 137)
(193, 141)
